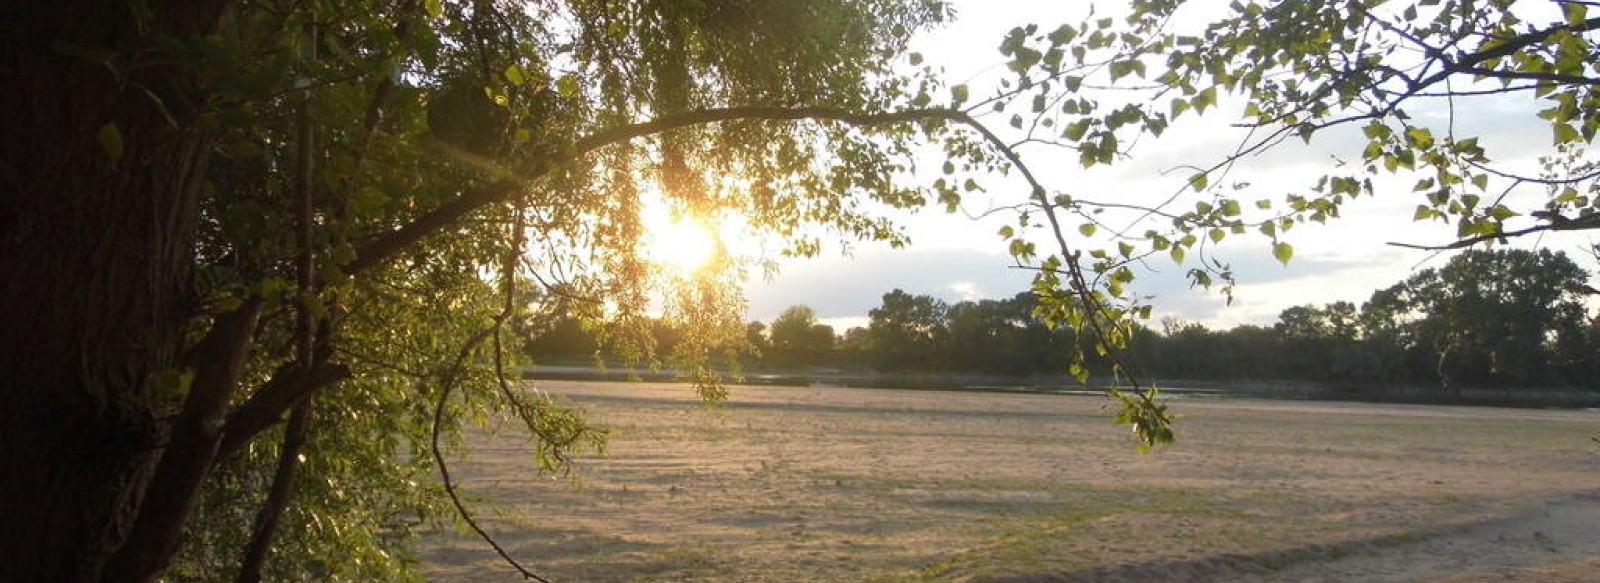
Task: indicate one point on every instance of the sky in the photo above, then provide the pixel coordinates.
(955, 258)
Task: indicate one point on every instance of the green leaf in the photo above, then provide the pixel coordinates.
(916, 59)
(1075, 130)
(1205, 99)
(567, 85)
(1062, 35)
(1420, 138)
(1021, 249)
(1006, 232)
(1283, 252)
(1087, 229)
(435, 8)
(958, 94)
(1198, 182)
(1565, 133)
(516, 75)
(1120, 69)
(1575, 12)
(1025, 58)
(110, 141)
(1078, 371)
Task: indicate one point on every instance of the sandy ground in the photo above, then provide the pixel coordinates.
(829, 484)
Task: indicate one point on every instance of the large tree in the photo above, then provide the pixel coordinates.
(1001, 337)
(797, 340)
(908, 332)
(221, 215)
(1494, 318)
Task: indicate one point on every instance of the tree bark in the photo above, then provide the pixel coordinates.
(99, 208)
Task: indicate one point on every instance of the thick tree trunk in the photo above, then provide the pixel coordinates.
(97, 235)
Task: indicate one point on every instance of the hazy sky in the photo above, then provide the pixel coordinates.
(957, 258)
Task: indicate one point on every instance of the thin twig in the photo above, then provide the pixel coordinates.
(451, 376)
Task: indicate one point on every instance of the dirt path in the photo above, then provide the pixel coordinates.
(1559, 542)
(1555, 543)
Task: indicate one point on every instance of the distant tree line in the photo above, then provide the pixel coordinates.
(1505, 318)
(1500, 318)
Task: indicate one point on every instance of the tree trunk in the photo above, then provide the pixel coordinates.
(97, 235)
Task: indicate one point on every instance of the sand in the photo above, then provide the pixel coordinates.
(834, 484)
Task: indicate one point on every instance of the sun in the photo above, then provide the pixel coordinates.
(681, 244)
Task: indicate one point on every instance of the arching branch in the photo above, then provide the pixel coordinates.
(387, 245)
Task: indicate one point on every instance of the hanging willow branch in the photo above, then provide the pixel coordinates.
(447, 387)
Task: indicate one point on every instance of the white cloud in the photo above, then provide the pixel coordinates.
(966, 290)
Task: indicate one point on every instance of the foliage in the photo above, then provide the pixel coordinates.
(1299, 70)
(373, 190)
(423, 106)
(1004, 337)
(1506, 318)
(1502, 318)
(1279, 71)
(797, 339)
(907, 330)
(339, 206)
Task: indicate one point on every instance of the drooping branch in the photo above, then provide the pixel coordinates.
(447, 387)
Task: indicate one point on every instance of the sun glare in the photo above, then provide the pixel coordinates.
(684, 245)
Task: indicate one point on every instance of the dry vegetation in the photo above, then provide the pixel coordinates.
(828, 484)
